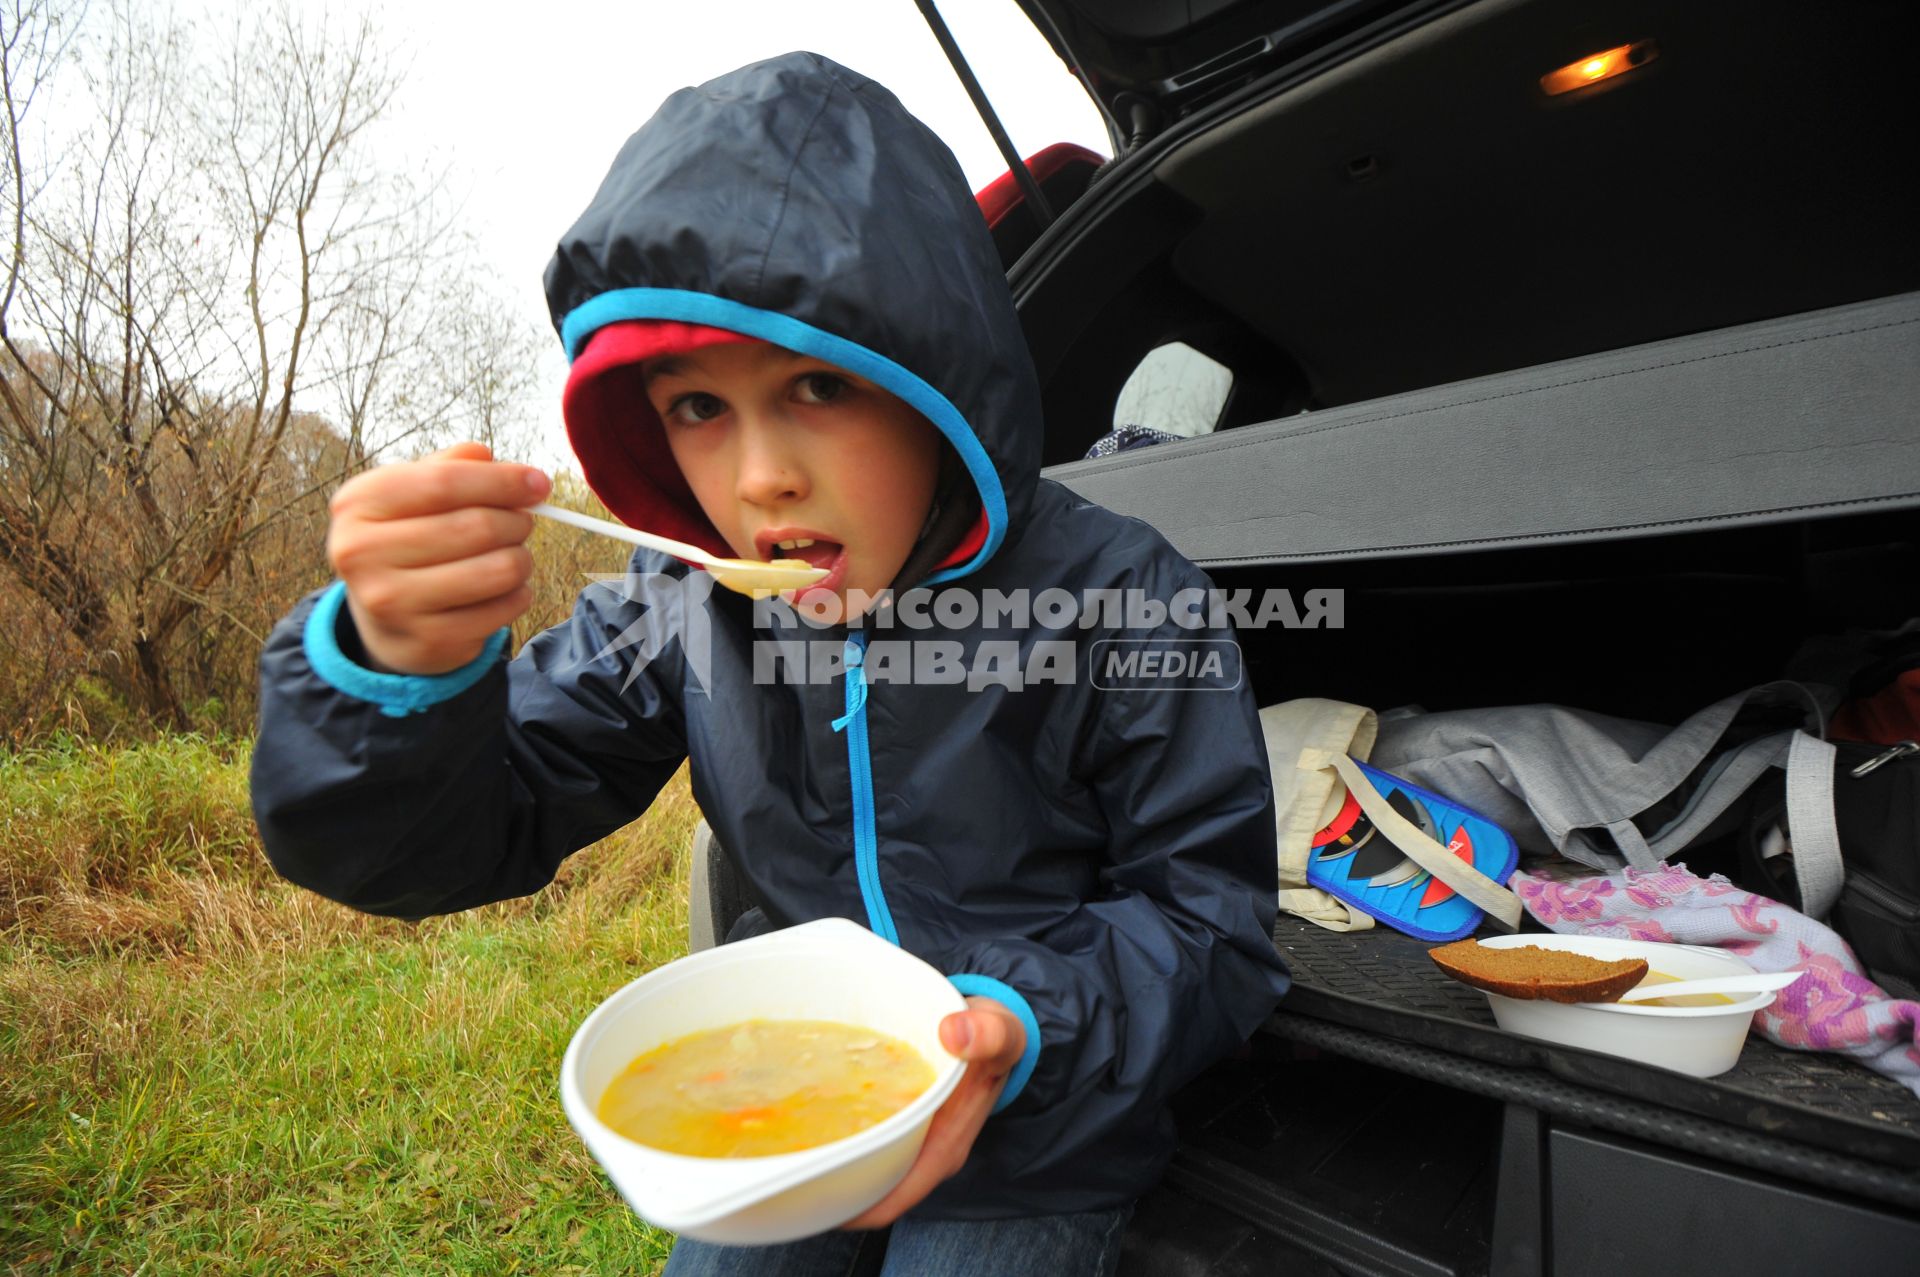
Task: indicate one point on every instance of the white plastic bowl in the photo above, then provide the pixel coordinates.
(1701, 1041)
(828, 970)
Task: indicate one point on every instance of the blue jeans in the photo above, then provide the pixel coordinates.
(1082, 1245)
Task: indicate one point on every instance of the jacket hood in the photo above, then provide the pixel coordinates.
(798, 202)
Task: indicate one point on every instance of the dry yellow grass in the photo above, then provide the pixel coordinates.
(205, 1069)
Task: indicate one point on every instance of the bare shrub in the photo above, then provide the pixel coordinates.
(218, 303)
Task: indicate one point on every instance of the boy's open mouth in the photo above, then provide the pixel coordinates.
(821, 554)
(798, 543)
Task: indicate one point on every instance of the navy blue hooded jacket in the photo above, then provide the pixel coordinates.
(1101, 861)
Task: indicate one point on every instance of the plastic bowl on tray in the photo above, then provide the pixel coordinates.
(827, 970)
(1703, 1041)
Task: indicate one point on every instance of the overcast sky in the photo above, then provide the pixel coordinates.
(532, 112)
(522, 105)
(526, 103)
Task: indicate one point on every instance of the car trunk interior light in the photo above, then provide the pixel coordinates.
(1596, 67)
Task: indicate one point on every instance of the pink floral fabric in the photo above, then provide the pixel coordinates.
(1835, 1007)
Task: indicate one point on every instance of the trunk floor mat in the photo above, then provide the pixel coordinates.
(1382, 982)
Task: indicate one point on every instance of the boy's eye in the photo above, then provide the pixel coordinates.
(821, 387)
(692, 409)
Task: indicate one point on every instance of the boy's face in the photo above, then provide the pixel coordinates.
(781, 447)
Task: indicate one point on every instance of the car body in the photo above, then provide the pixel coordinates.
(1602, 397)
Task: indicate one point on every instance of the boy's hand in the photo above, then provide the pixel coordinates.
(991, 1039)
(433, 555)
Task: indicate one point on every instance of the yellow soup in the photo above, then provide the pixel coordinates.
(762, 1087)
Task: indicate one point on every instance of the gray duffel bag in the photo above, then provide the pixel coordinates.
(1605, 791)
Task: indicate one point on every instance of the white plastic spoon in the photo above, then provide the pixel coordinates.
(1758, 982)
(746, 576)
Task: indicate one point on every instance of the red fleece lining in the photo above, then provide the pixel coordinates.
(623, 449)
(969, 544)
(617, 435)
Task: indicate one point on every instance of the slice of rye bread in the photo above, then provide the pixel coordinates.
(1530, 972)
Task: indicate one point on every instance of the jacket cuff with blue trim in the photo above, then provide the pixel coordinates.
(1007, 996)
(397, 695)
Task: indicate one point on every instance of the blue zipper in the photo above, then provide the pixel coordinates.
(866, 854)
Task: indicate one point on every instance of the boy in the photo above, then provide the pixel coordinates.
(792, 338)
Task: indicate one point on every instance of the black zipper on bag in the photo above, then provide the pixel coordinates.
(1882, 897)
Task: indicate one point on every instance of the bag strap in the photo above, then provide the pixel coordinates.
(1812, 823)
(1811, 820)
(1732, 775)
(1323, 909)
(1301, 800)
(1493, 899)
(1730, 772)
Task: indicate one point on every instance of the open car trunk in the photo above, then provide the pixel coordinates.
(1641, 531)
(1605, 399)
(1589, 568)
(1405, 207)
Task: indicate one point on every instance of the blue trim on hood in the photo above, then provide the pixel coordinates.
(784, 330)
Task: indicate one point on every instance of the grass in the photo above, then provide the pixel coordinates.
(206, 1070)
